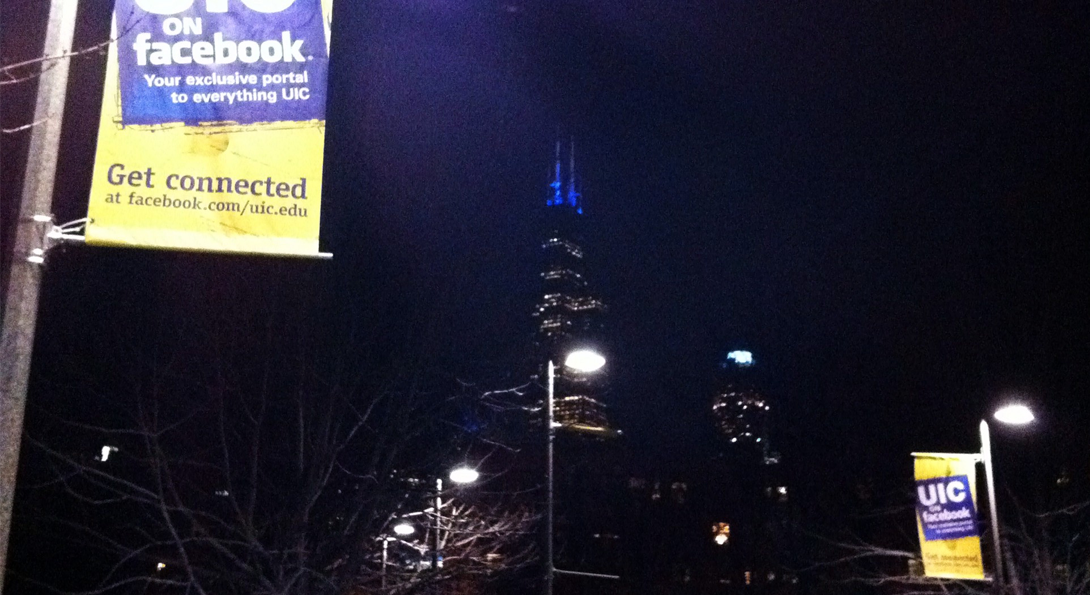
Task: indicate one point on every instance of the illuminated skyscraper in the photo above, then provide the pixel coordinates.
(758, 504)
(568, 313)
(741, 411)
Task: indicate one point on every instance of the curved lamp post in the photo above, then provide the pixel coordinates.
(461, 475)
(1012, 414)
(580, 360)
(401, 529)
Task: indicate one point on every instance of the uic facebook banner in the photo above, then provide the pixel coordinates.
(946, 516)
(946, 508)
(212, 129)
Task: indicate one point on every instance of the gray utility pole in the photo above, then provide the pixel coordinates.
(35, 222)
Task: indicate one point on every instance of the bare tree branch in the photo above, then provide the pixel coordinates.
(265, 473)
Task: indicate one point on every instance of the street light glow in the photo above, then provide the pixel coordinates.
(464, 475)
(105, 453)
(1016, 415)
(404, 529)
(584, 360)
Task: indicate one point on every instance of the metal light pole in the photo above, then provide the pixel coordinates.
(385, 550)
(435, 536)
(402, 529)
(583, 361)
(550, 431)
(462, 475)
(989, 476)
(1011, 414)
(35, 221)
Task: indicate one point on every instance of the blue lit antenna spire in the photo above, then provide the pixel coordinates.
(557, 199)
(573, 194)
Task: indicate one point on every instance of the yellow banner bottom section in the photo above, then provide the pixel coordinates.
(200, 241)
(964, 566)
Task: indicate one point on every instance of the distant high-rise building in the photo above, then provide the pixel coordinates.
(569, 314)
(741, 411)
(758, 504)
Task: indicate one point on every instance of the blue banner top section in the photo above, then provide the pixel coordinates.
(221, 61)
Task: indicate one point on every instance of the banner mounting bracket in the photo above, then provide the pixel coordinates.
(47, 235)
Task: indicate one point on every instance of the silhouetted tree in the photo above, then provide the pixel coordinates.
(225, 468)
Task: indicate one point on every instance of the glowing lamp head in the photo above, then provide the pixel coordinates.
(404, 529)
(105, 453)
(1015, 415)
(720, 539)
(584, 360)
(464, 475)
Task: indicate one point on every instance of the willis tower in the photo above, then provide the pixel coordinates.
(568, 314)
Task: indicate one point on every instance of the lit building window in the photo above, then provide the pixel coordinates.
(721, 533)
(559, 273)
(567, 246)
(741, 414)
(552, 322)
(585, 303)
(778, 493)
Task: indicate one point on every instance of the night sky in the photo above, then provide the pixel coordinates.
(886, 201)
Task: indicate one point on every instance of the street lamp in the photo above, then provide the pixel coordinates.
(585, 360)
(462, 475)
(401, 529)
(386, 549)
(1014, 414)
(580, 360)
